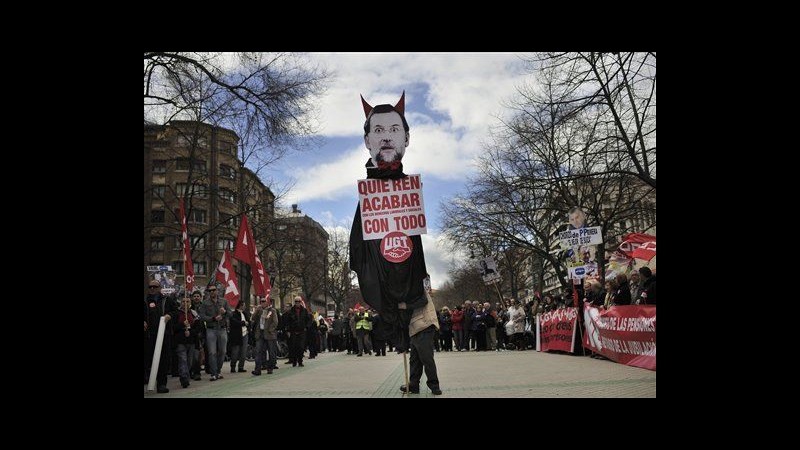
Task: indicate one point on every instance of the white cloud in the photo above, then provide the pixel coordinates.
(330, 180)
(466, 87)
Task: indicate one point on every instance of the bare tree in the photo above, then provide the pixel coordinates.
(622, 86)
(561, 148)
(340, 278)
(266, 99)
(268, 95)
(465, 283)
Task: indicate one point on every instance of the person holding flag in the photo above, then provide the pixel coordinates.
(215, 314)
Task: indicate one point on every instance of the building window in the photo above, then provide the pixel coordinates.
(228, 220)
(194, 242)
(157, 216)
(178, 266)
(225, 243)
(227, 194)
(199, 166)
(182, 164)
(199, 267)
(227, 147)
(159, 190)
(197, 216)
(197, 243)
(197, 190)
(159, 166)
(226, 171)
(157, 244)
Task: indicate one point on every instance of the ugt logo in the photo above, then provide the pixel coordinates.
(396, 247)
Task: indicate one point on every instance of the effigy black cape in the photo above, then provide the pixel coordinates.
(384, 284)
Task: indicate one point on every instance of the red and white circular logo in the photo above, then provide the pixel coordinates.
(396, 247)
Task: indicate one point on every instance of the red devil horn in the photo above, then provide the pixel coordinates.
(401, 104)
(367, 107)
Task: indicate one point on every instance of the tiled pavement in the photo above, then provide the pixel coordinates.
(461, 374)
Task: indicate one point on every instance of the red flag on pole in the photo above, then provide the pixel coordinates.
(646, 251)
(246, 252)
(260, 276)
(632, 241)
(245, 247)
(227, 277)
(188, 268)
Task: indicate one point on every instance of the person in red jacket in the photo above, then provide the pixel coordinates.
(457, 320)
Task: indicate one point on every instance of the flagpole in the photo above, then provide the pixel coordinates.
(185, 282)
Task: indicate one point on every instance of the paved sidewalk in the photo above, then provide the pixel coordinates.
(461, 374)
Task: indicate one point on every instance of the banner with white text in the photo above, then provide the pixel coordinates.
(392, 205)
(557, 329)
(625, 334)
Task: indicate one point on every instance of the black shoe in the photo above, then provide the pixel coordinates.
(256, 372)
(436, 391)
(219, 376)
(294, 364)
(184, 382)
(162, 389)
(269, 372)
(233, 370)
(196, 377)
(300, 364)
(410, 391)
(241, 369)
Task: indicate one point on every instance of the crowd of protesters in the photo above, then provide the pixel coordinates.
(204, 332)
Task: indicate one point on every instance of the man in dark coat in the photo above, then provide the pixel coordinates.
(297, 320)
(155, 306)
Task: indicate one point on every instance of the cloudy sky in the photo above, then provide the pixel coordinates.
(451, 101)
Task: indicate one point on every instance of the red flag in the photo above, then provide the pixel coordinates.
(227, 277)
(630, 242)
(646, 251)
(260, 276)
(188, 268)
(245, 246)
(246, 252)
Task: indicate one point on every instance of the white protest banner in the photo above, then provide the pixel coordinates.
(391, 205)
(488, 270)
(581, 236)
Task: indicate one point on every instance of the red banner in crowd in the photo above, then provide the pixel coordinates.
(625, 334)
(557, 329)
(632, 241)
